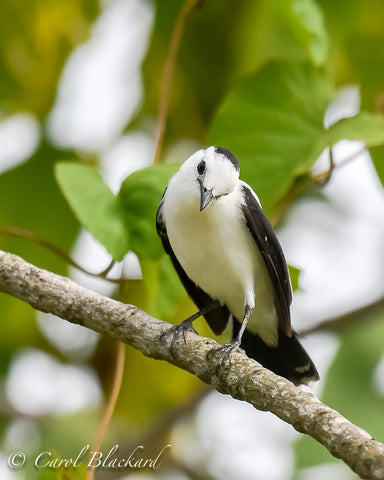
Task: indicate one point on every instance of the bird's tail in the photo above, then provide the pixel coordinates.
(289, 359)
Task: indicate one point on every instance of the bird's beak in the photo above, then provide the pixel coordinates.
(206, 196)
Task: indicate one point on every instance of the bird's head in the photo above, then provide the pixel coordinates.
(210, 174)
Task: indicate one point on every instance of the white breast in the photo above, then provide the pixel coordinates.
(218, 253)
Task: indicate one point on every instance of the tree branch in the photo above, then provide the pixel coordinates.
(244, 380)
(348, 319)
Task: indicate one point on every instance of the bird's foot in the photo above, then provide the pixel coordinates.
(177, 330)
(224, 353)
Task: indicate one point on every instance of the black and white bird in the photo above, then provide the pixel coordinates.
(231, 263)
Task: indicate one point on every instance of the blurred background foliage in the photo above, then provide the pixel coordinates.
(277, 82)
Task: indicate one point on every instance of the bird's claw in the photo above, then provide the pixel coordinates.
(176, 330)
(224, 353)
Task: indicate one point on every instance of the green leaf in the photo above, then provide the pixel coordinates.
(305, 20)
(94, 205)
(294, 273)
(140, 195)
(273, 122)
(367, 127)
(365, 54)
(377, 155)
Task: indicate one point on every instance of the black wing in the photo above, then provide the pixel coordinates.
(269, 246)
(218, 318)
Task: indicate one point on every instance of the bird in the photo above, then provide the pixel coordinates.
(231, 264)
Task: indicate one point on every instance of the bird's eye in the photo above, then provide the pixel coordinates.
(201, 168)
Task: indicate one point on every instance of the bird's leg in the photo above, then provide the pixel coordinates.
(186, 325)
(225, 351)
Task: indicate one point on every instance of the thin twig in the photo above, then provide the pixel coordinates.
(323, 178)
(118, 378)
(349, 319)
(115, 392)
(351, 157)
(166, 81)
(42, 242)
(306, 183)
(105, 272)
